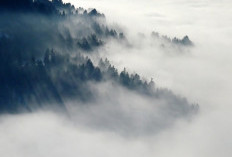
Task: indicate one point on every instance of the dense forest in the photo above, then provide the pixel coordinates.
(44, 47)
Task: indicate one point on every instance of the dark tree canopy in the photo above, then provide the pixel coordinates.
(43, 56)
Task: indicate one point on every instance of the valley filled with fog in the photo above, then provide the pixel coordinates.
(142, 78)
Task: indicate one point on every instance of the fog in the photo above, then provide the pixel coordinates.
(119, 122)
(200, 73)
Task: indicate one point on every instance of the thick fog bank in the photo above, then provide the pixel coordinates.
(107, 108)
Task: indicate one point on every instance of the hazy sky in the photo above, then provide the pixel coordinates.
(202, 74)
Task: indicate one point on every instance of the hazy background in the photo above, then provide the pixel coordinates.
(202, 74)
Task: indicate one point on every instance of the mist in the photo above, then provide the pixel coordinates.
(201, 73)
(111, 118)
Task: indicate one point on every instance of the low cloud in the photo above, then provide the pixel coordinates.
(105, 109)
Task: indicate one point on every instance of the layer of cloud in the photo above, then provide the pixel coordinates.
(112, 126)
